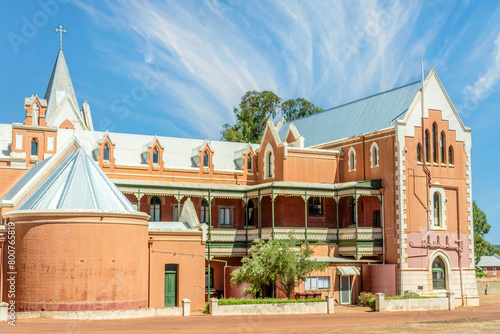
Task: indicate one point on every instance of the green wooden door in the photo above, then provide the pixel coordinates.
(170, 288)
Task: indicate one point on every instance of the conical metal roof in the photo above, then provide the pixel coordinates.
(77, 183)
(59, 85)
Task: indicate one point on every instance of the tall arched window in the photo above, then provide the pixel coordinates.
(442, 143)
(438, 274)
(352, 159)
(437, 209)
(427, 159)
(205, 159)
(434, 143)
(249, 163)
(204, 218)
(450, 155)
(105, 152)
(155, 209)
(34, 147)
(156, 155)
(374, 154)
(270, 164)
(250, 213)
(419, 153)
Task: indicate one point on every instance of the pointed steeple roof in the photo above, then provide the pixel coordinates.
(59, 85)
(77, 183)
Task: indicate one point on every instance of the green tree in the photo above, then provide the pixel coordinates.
(276, 262)
(293, 109)
(256, 108)
(481, 227)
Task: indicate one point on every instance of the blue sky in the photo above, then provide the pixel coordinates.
(177, 68)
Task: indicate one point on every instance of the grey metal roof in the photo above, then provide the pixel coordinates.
(367, 115)
(77, 183)
(9, 195)
(489, 261)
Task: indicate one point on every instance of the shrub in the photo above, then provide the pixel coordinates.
(371, 303)
(364, 298)
(242, 301)
(411, 294)
(480, 273)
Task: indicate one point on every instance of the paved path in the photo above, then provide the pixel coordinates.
(482, 319)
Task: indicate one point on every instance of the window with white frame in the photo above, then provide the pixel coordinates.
(155, 209)
(374, 156)
(438, 208)
(352, 159)
(317, 283)
(485, 270)
(269, 163)
(225, 216)
(494, 271)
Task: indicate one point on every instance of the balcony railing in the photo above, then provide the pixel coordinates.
(313, 234)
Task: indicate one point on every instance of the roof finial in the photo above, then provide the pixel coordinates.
(60, 31)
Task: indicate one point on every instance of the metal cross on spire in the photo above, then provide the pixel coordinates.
(60, 31)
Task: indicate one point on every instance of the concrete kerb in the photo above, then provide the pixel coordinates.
(185, 310)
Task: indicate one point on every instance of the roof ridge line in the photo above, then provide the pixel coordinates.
(358, 100)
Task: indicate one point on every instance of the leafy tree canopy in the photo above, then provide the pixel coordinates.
(276, 262)
(481, 227)
(256, 108)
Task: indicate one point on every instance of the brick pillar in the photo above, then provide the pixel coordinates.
(379, 302)
(186, 307)
(329, 304)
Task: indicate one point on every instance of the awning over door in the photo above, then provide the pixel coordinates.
(347, 271)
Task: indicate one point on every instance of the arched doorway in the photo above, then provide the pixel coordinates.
(438, 274)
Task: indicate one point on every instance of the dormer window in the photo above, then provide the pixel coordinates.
(155, 156)
(34, 147)
(105, 152)
(249, 163)
(205, 159)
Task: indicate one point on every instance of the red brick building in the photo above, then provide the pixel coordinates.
(380, 187)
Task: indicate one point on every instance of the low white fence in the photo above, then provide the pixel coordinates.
(184, 310)
(414, 304)
(278, 308)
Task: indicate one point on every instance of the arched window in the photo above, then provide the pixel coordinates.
(419, 153)
(438, 274)
(34, 147)
(155, 155)
(270, 164)
(450, 155)
(204, 218)
(427, 159)
(205, 159)
(352, 159)
(434, 143)
(105, 152)
(443, 145)
(155, 209)
(437, 209)
(250, 213)
(374, 155)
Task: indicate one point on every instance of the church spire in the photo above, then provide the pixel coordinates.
(61, 99)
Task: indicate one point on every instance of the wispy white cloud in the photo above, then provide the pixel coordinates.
(486, 83)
